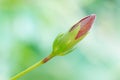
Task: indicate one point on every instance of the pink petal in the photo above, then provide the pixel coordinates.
(85, 25)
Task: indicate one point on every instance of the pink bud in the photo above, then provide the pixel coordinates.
(84, 24)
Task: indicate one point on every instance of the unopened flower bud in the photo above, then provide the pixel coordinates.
(64, 43)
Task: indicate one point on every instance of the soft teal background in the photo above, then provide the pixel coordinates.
(28, 28)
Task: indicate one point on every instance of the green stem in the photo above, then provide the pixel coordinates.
(39, 63)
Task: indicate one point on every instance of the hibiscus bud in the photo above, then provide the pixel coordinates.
(64, 43)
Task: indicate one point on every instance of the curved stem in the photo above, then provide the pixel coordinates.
(39, 63)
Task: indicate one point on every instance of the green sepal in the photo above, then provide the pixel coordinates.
(69, 51)
(56, 41)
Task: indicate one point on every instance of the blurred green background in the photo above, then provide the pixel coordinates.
(28, 28)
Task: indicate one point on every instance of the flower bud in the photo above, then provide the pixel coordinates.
(64, 43)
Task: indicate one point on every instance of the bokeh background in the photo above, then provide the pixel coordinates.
(29, 27)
